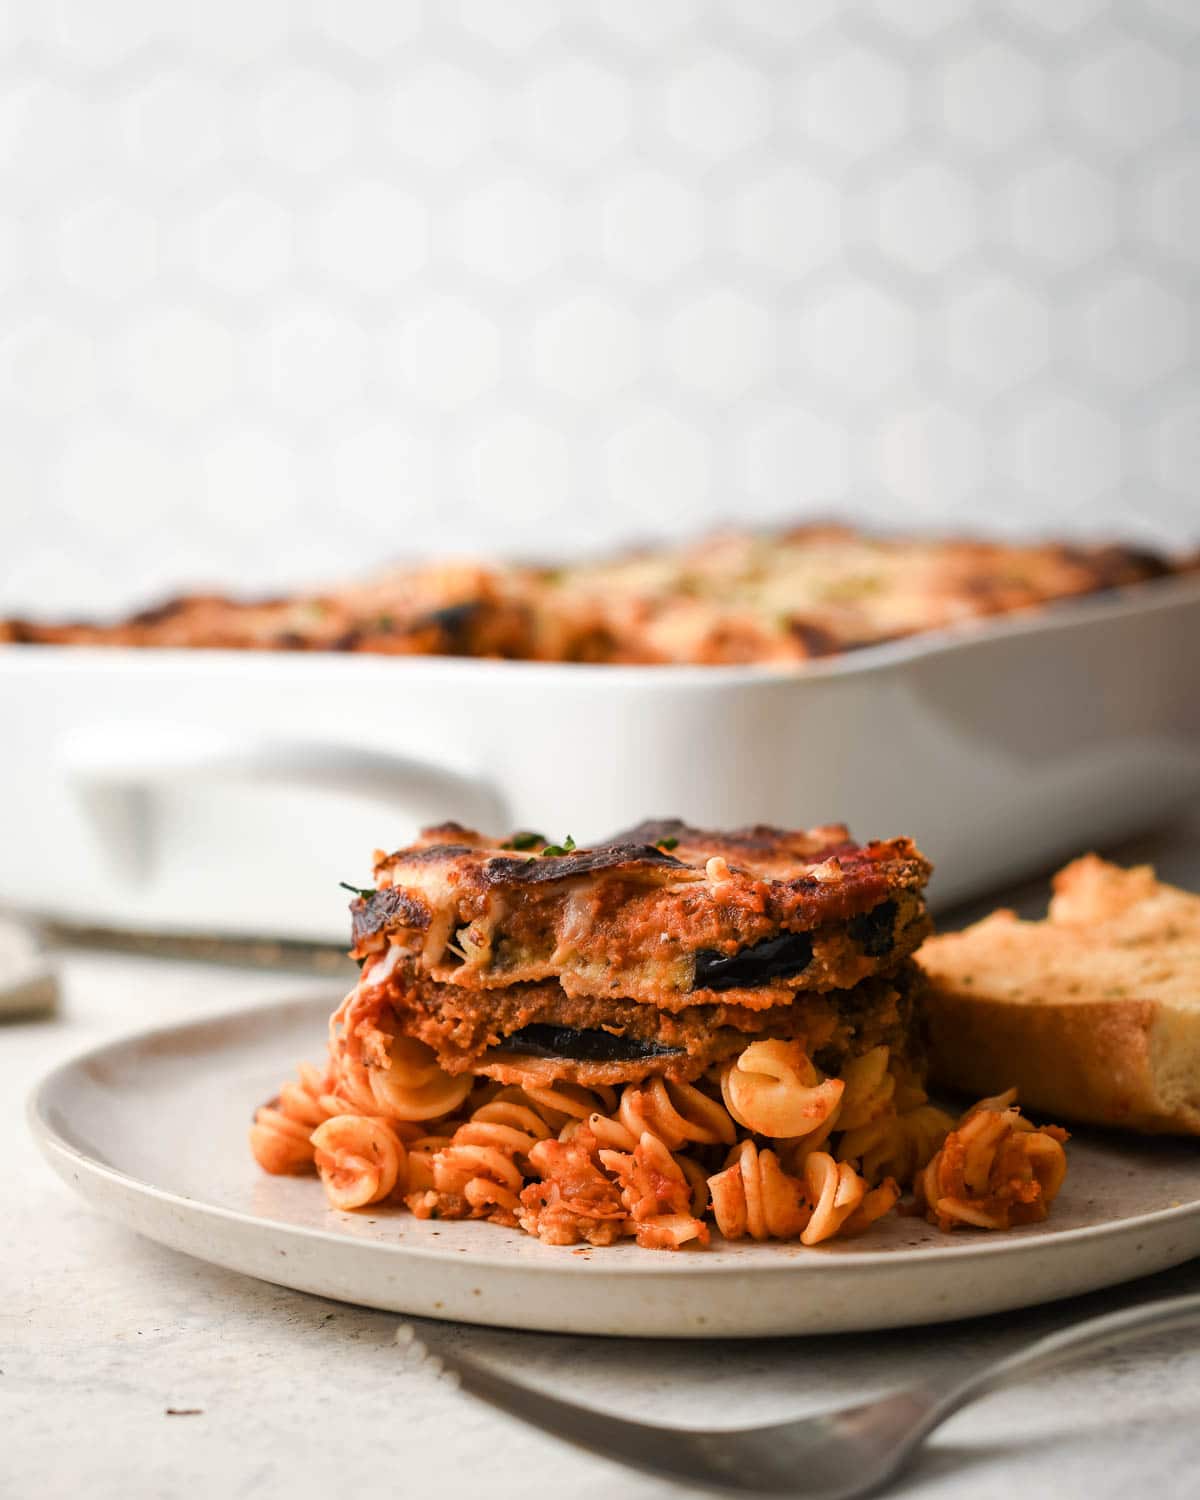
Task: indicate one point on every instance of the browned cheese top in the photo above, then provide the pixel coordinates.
(664, 913)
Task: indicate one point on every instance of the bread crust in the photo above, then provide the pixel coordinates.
(1093, 1015)
(1089, 1062)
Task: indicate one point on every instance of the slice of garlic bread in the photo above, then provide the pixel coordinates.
(1094, 1013)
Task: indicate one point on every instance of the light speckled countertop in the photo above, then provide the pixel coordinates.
(101, 1332)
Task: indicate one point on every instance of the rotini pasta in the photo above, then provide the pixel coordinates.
(897, 1145)
(993, 1170)
(656, 1193)
(573, 1198)
(281, 1136)
(841, 1201)
(478, 1171)
(677, 1113)
(360, 1159)
(869, 1090)
(754, 1196)
(764, 1147)
(773, 1089)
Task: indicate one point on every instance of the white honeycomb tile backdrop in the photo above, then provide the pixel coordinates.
(289, 287)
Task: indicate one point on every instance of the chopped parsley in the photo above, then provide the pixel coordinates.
(667, 844)
(359, 890)
(552, 851)
(525, 839)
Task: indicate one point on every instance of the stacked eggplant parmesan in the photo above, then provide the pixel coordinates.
(671, 1028)
(662, 952)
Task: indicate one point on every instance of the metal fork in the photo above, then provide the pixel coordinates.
(836, 1455)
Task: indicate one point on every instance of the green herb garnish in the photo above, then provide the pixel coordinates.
(364, 891)
(667, 844)
(554, 850)
(524, 840)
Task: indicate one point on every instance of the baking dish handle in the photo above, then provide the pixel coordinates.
(116, 768)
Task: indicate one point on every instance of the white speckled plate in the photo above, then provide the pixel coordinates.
(153, 1131)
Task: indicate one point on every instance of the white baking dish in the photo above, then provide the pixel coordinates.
(228, 792)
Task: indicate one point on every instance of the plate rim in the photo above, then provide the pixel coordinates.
(54, 1144)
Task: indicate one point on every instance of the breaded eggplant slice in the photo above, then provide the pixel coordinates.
(538, 1033)
(668, 915)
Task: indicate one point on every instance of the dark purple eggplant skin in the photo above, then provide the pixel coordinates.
(787, 956)
(783, 957)
(542, 869)
(875, 930)
(582, 1046)
(386, 908)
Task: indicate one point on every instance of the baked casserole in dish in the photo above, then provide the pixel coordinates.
(1006, 703)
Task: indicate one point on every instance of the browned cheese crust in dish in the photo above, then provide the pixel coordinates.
(676, 1029)
(1093, 1013)
(735, 597)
